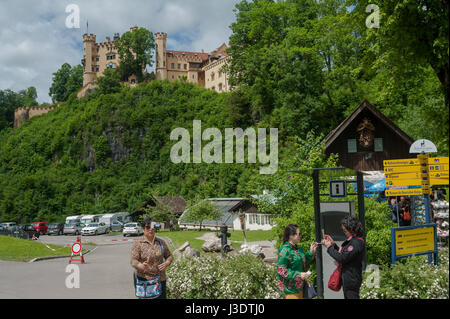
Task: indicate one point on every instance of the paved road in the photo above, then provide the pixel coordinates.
(106, 274)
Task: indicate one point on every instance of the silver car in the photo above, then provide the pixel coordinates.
(95, 229)
(132, 229)
(73, 229)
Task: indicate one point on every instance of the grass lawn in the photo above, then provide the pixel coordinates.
(18, 249)
(180, 237)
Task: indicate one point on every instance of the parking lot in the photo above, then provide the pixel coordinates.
(106, 274)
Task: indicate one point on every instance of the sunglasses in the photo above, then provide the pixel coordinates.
(148, 227)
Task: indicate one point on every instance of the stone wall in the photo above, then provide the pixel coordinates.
(22, 114)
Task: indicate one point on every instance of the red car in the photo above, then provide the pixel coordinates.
(40, 227)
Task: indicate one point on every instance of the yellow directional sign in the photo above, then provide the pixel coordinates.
(415, 161)
(439, 181)
(414, 241)
(415, 181)
(402, 182)
(439, 175)
(402, 175)
(402, 169)
(438, 168)
(438, 160)
(401, 162)
(405, 192)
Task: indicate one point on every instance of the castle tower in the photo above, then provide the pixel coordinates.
(89, 74)
(161, 60)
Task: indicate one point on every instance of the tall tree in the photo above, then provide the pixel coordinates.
(411, 32)
(10, 100)
(66, 81)
(135, 50)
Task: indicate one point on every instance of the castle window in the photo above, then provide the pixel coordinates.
(212, 76)
(220, 74)
(93, 69)
(172, 65)
(220, 86)
(97, 58)
(96, 68)
(164, 63)
(110, 56)
(179, 66)
(111, 65)
(185, 66)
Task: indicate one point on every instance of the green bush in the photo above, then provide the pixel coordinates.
(211, 277)
(410, 278)
(378, 232)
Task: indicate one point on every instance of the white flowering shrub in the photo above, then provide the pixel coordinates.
(412, 278)
(211, 277)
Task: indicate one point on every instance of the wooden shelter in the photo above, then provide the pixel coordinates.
(366, 138)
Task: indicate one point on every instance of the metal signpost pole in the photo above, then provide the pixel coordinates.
(361, 210)
(319, 264)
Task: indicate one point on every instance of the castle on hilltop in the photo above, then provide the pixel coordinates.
(203, 69)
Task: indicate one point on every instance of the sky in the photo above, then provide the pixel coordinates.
(35, 40)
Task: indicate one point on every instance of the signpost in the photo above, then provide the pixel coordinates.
(414, 240)
(417, 174)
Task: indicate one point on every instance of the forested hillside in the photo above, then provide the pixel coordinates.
(300, 66)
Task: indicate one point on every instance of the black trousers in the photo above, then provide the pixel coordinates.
(351, 293)
(163, 288)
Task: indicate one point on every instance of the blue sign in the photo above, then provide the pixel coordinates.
(338, 189)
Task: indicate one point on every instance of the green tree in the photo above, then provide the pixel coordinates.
(203, 210)
(411, 33)
(160, 213)
(135, 50)
(10, 100)
(66, 81)
(109, 82)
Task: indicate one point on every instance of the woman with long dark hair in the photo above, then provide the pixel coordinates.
(292, 262)
(350, 255)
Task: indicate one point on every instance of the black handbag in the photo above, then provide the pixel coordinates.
(308, 290)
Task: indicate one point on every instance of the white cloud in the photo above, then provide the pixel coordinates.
(34, 41)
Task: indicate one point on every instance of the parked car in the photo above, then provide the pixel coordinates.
(57, 229)
(95, 229)
(132, 229)
(41, 227)
(29, 230)
(8, 226)
(73, 229)
(116, 226)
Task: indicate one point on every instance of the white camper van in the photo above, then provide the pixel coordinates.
(87, 219)
(109, 219)
(73, 219)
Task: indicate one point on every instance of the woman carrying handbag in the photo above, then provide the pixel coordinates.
(292, 263)
(147, 257)
(348, 258)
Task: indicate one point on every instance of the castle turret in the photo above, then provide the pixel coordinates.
(89, 74)
(161, 62)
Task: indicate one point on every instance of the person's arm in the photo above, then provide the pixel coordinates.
(347, 254)
(167, 256)
(135, 256)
